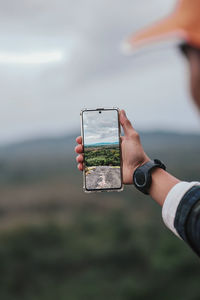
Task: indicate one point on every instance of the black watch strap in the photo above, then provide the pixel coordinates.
(142, 175)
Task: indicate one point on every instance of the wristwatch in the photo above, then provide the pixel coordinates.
(142, 175)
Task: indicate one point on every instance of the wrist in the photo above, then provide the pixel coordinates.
(162, 183)
(142, 177)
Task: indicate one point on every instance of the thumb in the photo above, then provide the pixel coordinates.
(126, 124)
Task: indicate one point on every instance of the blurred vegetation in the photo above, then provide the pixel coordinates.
(102, 156)
(58, 243)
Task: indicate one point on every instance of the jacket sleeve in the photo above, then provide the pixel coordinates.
(181, 213)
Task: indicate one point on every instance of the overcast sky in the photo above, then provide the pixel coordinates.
(100, 127)
(57, 57)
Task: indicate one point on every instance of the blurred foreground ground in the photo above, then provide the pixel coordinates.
(58, 243)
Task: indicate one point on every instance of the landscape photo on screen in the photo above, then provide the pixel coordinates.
(101, 150)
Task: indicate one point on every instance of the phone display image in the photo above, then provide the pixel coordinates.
(102, 156)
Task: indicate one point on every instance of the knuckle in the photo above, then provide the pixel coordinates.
(135, 135)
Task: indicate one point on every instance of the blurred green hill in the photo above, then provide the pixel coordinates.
(58, 243)
(56, 154)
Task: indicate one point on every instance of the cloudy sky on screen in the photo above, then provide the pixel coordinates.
(57, 57)
(100, 128)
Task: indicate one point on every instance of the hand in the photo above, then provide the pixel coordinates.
(133, 154)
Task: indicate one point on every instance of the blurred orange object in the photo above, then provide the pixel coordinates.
(183, 23)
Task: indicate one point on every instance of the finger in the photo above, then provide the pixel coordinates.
(79, 139)
(80, 167)
(122, 138)
(79, 158)
(79, 149)
(126, 124)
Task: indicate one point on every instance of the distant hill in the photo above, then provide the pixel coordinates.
(64, 145)
(42, 157)
(42, 146)
(68, 140)
(170, 140)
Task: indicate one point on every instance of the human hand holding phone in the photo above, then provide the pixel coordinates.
(133, 154)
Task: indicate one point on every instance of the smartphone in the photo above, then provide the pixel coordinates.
(102, 150)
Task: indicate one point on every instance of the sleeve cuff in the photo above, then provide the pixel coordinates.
(172, 201)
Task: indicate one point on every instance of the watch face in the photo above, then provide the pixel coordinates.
(140, 178)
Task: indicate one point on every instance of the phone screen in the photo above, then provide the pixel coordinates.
(102, 152)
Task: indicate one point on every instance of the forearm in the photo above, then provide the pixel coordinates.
(181, 209)
(181, 212)
(162, 183)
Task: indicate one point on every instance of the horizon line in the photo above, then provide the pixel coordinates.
(101, 143)
(34, 137)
